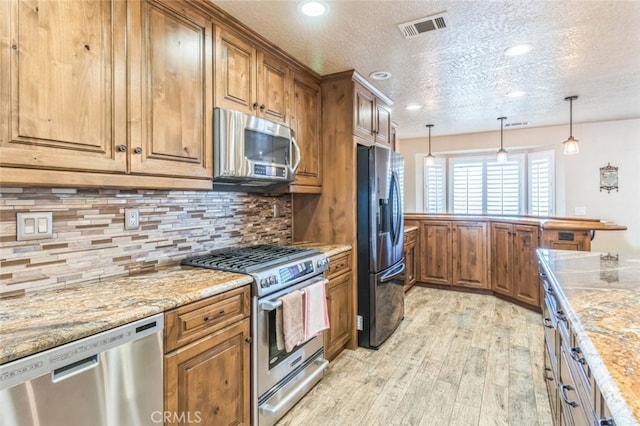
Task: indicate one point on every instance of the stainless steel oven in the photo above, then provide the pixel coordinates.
(279, 379)
(282, 378)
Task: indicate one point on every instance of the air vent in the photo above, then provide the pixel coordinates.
(516, 124)
(419, 26)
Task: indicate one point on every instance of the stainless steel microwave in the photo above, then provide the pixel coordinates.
(251, 153)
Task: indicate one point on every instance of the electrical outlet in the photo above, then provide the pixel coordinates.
(580, 211)
(131, 218)
(34, 226)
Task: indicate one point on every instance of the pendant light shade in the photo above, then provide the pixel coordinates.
(571, 144)
(430, 157)
(502, 153)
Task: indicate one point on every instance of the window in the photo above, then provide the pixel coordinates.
(541, 183)
(434, 186)
(478, 185)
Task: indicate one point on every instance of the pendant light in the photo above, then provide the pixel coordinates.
(571, 144)
(430, 157)
(502, 153)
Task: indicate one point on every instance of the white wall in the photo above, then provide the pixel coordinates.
(577, 176)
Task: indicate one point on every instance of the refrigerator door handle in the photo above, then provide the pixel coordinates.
(393, 273)
(397, 226)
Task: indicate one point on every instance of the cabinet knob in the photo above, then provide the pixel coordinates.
(122, 148)
(255, 105)
(138, 150)
(221, 313)
(248, 339)
(262, 107)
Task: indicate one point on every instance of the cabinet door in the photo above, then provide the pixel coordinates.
(273, 88)
(339, 291)
(365, 109)
(383, 124)
(170, 59)
(470, 254)
(207, 382)
(410, 264)
(305, 121)
(435, 252)
(63, 84)
(502, 257)
(525, 273)
(235, 72)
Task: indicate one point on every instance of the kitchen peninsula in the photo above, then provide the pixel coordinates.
(599, 297)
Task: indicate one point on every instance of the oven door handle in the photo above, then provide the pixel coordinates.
(270, 305)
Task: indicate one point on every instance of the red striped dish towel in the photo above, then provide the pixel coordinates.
(316, 317)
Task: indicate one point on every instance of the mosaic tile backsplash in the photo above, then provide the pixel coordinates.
(89, 240)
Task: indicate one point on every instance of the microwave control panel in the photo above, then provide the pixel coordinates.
(272, 171)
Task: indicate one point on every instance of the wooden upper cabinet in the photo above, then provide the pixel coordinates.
(470, 254)
(235, 72)
(372, 117)
(274, 78)
(365, 107)
(383, 124)
(62, 86)
(249, 80)
(171, 100)
(306, 115)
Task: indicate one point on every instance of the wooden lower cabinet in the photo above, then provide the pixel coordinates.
(514, 271)
(470, 254)
(435, 252)
(566, 240)
(207, 381)
(339, 305)
(410, 273)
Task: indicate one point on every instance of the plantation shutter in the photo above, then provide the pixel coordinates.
(541, 183)
(503, 188)
(434, 176)
(467, 187)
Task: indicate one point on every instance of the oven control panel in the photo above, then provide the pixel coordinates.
(290, 273)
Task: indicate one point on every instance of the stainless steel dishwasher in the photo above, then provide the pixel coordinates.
(113, 378)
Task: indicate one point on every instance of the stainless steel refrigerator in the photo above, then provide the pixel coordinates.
(380, 243)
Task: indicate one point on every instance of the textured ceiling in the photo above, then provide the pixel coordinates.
(460, 74)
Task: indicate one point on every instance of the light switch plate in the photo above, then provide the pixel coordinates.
(34, 226)
(580, 211)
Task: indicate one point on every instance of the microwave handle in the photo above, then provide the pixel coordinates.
(297, 149)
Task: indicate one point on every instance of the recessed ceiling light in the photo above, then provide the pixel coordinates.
(380, 75)
(413, 107)
(518, 49)
(313, 8)
(516, 94)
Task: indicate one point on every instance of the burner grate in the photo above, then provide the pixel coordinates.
(249, 259)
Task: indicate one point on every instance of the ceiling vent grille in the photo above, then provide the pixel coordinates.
(419, 26)
(518, 123)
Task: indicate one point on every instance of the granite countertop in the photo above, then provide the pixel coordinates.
(49, 318)
(600, 294)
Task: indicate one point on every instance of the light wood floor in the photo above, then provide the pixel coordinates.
(456, 359)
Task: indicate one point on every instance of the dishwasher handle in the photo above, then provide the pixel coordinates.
(75, 368)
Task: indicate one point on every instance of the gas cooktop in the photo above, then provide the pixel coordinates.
(250, 259)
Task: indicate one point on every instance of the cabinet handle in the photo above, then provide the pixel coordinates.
(262, 107)
(604, 422)
(137, 150)
(560, 316)
(546, 321)
(575, 355)
(255, 105)
(221, 313)
(122, 148)
(248, 339)
(206, 318)
(565, 398)
(544, 374)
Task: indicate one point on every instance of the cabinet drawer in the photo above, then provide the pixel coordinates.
(410, 237)
(339, 264)
(195, 320)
